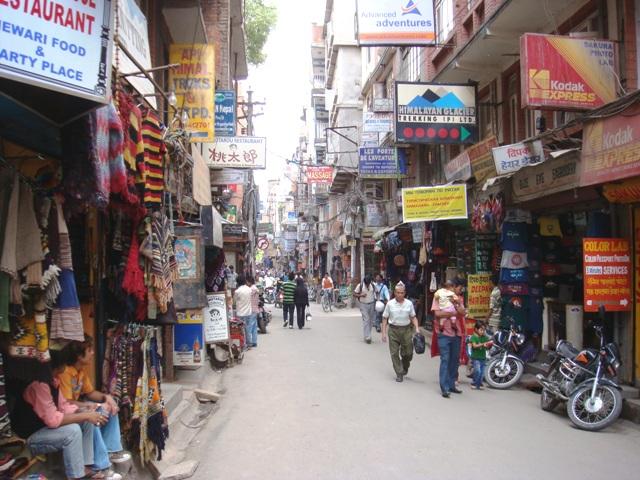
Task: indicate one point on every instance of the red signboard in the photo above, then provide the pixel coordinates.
(611, 149)
(607, 274)
(567, 73)
(320, 175)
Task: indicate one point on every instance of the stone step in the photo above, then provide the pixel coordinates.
(629, 392)
(173, 394)
(631, 409)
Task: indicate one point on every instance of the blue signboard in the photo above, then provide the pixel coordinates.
(381, 162)
(225, 125)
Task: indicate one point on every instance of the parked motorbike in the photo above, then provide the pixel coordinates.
(221, 353)
(264, 315)
(507, 358)
(585, 379)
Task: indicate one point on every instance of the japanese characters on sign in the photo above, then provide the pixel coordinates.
(69, 52)
(607, 274)
(426, 204)
(511, 158)
(193, 83)
(563, 73)
(395, 22)
(436, 113)
(319, 175)
(225, 124)
(237, 152)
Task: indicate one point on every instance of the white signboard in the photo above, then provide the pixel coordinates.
(395, 22)
(63, 46)
(511, 158)
(228, 176)
(237, 152)
(370, 139)
(133, 33)
(201, 178)
(377, 122)
(216, 326)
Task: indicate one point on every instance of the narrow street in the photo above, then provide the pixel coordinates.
(321, 404)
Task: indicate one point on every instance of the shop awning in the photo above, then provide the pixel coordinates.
(381, 233)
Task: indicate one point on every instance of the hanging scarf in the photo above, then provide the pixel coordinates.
(108, 145)
(164, 268)
(133, 281)
(66, 318)
(154, 150)
(29, 348)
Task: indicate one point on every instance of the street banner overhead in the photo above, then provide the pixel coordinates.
(436, 113)
(225, 116)
(427, 204)
(561, 73)
(395, 22)
(511, 158)
(237, 152)
(611, 149)
(319, 175)
(194, 82)
(69, 52)
(607, 274)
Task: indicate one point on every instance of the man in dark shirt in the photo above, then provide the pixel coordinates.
(288, 305)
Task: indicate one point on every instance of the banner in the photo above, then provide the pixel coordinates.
(201, 179)
(564, 73)
(611, 149)
(395, 22)
(479, 291)
(225, 113)
(68, 51)
(319, 175)
(216, 327)
(426, 204)
(607, 274)
(237, 152)
(378, 162)
(194, 82)
(474, 161)
(458, 168)
(552, 176)
(511, 158)
(436, 113)
(133, 33)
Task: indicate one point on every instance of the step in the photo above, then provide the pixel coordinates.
(629, 392)
(172, 394)
(631, 409)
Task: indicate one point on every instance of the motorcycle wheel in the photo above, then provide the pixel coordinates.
(277, 305)
(606, 409)
(218, 357)
(547, 401)
(500, 378)
(262, 325)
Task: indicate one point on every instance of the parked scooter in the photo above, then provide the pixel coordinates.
(264, 315)
(507, 358)
(222, 353)
(585, 379)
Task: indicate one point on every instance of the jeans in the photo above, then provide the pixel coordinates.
(105, 441)
(449, 361)
(288, 310)
(300, 313)
(478, 371)
(368, 311)
(75, 440)
(250, 329)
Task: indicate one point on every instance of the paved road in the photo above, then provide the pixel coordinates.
(319, 403)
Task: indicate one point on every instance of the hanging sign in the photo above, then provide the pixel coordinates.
(458, 168)
(436, 113)
(228, 176)
(225, 107)
(201, 179)
(563, 73)
(626, 191)
(193, 83)
(479, 291)
(395, 22)
(237, 152)
(263, 243)
(607, 274)
(553, 176)
(427, 204)
(319, 175)
(216, 326)
(377, 122)
(378, 162)
(133, 33)
(60, 46)
(611, 149)
(511, 158)
(482, 166)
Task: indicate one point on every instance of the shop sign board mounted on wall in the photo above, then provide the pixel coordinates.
(436, 113)
(511, 158)
(319, 175)
(68, 52)
(237, 152)
(427, 204)
(395, 22)
(216, 326)
(607, 274)
(479, 287)
(567, 73)
(225, 107)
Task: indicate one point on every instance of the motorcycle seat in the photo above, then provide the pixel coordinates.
(567, 350)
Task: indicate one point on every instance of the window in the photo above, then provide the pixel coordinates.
(532, 120)
(411, 64)
(444, 19)
(512, 91)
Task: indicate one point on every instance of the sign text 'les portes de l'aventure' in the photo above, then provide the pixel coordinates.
(61, 46)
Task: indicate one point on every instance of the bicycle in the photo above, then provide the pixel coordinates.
(326, 301)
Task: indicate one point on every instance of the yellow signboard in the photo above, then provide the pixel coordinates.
(194, 85)
(479, 290)
(425, 204)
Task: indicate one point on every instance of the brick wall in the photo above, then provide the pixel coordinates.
(629, 64)
(217, 24)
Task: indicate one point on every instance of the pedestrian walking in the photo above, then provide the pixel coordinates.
(288, 303)
(252, 340)
(301, 300)
(242, 299)
(382, 295)
(480, 343)
(450, 329)
(399, 321)
(365, 293)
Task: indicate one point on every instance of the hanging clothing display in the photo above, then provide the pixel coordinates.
(154, 151)
(5, 424)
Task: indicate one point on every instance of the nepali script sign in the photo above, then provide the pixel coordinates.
(60, 46)
(237, 152)
(511, 158)
(607, 274)
(427, 204)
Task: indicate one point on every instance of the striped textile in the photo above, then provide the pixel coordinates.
(289, 289)
(154, 151)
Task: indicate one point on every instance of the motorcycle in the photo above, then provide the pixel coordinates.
(222, 353)
(270, 295)
(507, 358)
(264, 315)
(585, 379)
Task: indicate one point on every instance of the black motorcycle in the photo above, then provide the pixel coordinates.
(585, 379)
(270, 295)
(507, 357)
(264, 315)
